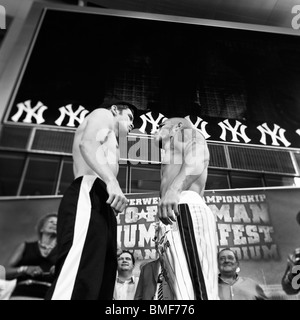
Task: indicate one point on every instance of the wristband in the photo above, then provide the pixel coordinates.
(22, 269)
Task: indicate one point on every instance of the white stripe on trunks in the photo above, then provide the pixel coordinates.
(65, 282)
(190, 254)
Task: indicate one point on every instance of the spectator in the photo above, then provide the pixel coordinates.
(231, 285)
(126, 282)
(32, 263)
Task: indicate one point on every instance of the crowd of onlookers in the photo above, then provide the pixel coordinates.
(30, 269)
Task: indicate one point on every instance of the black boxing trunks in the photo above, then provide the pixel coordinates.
(86, 243)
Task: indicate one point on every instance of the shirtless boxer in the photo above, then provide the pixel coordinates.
(189, 243)
(87, 228)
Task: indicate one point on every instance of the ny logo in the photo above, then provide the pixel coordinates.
(73, 115)
(36, 112)
(238, 130)
(149, 118)
(276, 134)
(202, 123)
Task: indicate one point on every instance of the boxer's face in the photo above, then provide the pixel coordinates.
(125, 120)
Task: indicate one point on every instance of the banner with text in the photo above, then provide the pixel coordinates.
(259, 225)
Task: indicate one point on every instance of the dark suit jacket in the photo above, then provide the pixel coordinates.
(148, 282)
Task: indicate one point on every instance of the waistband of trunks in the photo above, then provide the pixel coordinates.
(92, 178)
(190, 197)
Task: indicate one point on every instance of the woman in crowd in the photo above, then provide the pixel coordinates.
(32, 263)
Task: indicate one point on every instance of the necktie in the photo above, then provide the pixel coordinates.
(160, 294)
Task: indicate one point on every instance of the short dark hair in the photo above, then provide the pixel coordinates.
(228, 249)
(131, 254)
(121, 105)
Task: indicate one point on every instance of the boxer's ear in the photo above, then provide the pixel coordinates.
(178, 126)
(114, 110)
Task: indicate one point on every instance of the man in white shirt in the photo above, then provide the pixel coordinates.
(231, 285)
(126, 282)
